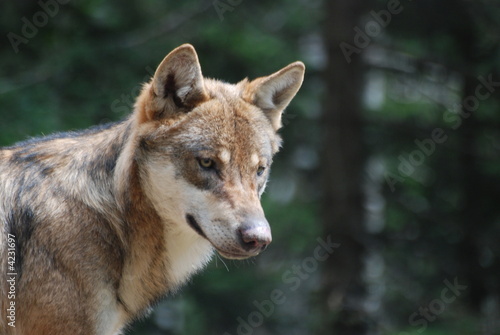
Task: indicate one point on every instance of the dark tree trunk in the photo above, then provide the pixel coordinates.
(342, 168)
(471, 220)
(471, 216)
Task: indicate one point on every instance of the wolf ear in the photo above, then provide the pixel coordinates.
(273, 93)
(177, 85)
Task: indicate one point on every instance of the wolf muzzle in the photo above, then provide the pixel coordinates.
(255, 234)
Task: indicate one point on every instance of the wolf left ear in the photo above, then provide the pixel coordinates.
(273, 93)
(177, 85)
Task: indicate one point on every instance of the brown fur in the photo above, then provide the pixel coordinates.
(110, 220)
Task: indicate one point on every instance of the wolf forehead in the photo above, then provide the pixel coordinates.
(225, 125)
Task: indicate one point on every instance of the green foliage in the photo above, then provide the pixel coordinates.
(85, 66)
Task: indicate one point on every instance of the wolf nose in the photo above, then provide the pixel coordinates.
(255, 234)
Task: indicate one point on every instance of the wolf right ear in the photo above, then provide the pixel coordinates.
(177, 85)
(273, 93)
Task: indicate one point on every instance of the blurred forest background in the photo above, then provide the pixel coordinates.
(391, 160)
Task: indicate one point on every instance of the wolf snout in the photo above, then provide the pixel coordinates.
(255, 234)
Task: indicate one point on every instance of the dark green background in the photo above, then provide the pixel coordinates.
(380, 136)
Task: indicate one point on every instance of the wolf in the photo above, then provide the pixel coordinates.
(99, 225)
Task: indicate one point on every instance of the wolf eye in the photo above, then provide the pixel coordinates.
(206, 163)
(260, 170)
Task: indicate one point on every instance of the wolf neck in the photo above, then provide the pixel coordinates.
(161, 254)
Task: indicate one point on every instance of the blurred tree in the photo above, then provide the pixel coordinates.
(343, 159)
(441, 219)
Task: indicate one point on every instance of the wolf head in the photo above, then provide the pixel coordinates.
(206, 149)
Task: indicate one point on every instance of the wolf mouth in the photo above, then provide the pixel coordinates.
(194, 224)
(196, 227)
